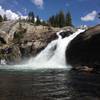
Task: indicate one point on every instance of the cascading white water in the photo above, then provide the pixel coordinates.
(53, 56)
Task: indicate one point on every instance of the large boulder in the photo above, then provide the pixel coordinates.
(65, 34)
(84, 50)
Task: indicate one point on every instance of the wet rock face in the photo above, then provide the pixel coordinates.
(65, 34)
(84, 50)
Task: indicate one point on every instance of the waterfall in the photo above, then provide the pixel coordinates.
(53, 56)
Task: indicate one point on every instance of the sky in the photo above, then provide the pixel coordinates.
(84, 12)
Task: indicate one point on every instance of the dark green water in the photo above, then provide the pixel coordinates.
(54, 84)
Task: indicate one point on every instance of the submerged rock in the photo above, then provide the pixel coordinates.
(84, 50)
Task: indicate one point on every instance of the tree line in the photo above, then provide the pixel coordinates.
(61, 19)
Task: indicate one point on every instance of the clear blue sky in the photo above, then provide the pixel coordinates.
(83, 11)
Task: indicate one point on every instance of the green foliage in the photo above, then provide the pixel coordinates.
(43, 23)
(60, 20)
(18, 35)
(5, 18)
(38, 22)
(1, 19)
(68, 19)
(31, 17)
(52, 21)
(56, 21)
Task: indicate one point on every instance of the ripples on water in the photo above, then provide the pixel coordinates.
(55, 84)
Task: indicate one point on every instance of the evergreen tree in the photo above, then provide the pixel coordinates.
(1, 19)
(38, 22)
(44, 23)
(61, 18)
(5, 17)
(56, 21)
(53, 21)
(50, 21)
(68, 19)
(31, 17)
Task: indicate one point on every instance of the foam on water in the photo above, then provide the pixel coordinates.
(53, 56)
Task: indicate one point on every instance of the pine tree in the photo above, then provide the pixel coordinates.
(61, 18)
(38, 22)
(56, 20)
(44, 23)
(51, 20)
(68, 19)
(31, 17)
(5, 17)
(1, 19)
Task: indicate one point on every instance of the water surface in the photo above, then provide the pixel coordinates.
(49, 84)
